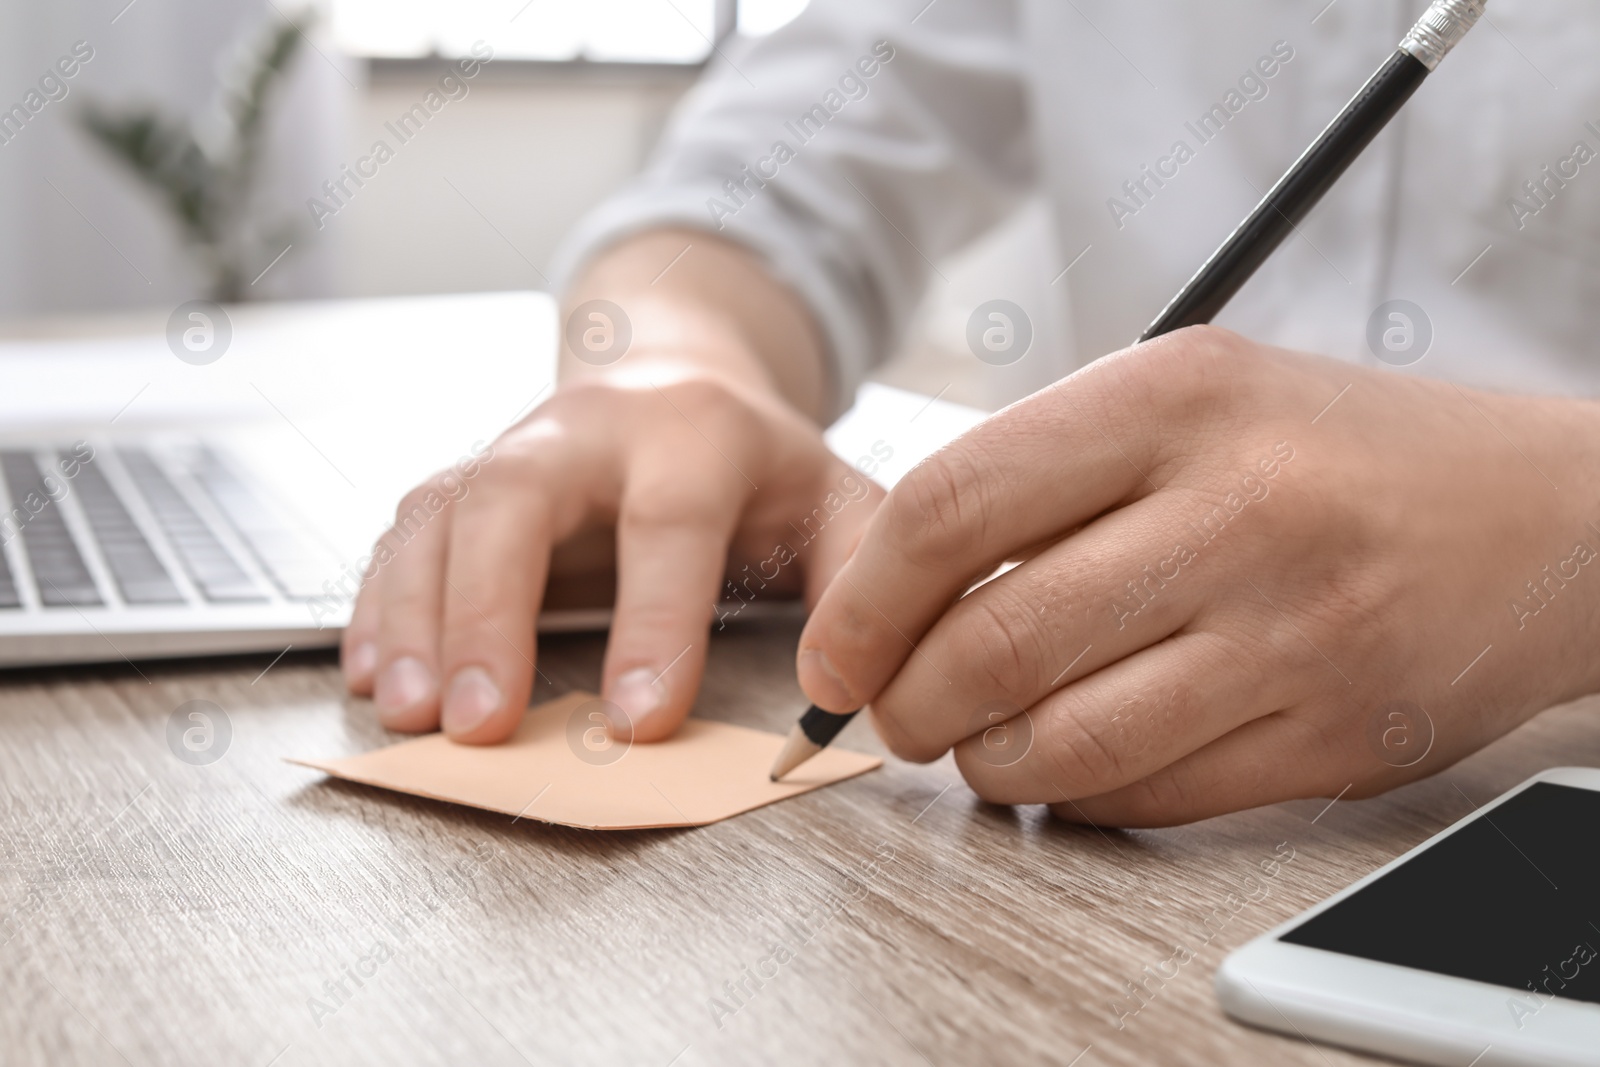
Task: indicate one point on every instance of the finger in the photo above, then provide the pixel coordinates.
(501, 536)
(1098, 441)
(1047, 463)
(406, 686)
(673, 531)
(1274, 758)
(1121, 584)
(358, 645)
(1120, 724)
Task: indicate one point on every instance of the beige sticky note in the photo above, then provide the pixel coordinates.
(561, 768)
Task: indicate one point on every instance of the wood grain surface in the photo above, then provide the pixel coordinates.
(246, 911)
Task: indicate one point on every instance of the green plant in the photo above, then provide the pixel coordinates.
(206, 179)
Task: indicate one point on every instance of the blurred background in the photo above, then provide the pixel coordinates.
(477, 200)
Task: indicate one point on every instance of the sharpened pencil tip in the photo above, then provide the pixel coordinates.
(796, 750)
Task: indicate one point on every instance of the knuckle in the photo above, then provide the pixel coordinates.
(700, 501)
(418, 507)
(712, 437)
(1103, 750)
(1322, 750)
(578, 400)
(711, 407)
(522, 459)
(435, 493)
(936, 512)
(902, 742)
(1184, 349)
(1001, 643)
(1204, 363)
(1166, 797)
(1084, 755)
(643, 512)
(551, 428)
(1208, 342)
(525, 479)
(424, 506)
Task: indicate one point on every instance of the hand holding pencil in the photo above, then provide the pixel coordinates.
(1439, 29)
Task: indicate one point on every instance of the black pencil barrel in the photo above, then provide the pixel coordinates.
(1293, 197)
(821, 727)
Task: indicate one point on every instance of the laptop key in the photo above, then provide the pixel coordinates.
(134, 564)
(9, 596)
(283, 553)
(63, 579)
(213, 570)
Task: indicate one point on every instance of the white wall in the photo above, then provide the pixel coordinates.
(480, 198)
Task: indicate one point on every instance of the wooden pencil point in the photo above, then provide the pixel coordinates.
(796, 750)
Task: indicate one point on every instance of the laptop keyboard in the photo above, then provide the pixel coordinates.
(299, 576)
(214, 572)
(64, 579)
(9, 597)
(134, 565)
(59, 572)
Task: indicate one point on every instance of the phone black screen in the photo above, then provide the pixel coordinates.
(1512, 898)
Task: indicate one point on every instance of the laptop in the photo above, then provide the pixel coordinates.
(150, 507)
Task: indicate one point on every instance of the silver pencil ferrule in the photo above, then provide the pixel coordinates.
(1440, 28)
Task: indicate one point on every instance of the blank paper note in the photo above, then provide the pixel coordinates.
(558, 768)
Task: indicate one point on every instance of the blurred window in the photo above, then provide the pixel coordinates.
(758, 17)
(611, 31)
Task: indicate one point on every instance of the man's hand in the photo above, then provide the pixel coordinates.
(688, 460)
(1247, 575)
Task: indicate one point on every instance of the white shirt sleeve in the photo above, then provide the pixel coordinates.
(851, 149)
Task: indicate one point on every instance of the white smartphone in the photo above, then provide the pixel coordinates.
(1480, 946)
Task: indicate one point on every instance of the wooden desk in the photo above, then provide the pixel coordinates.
(161, 912)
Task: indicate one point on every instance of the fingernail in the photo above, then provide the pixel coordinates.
(822, 682)
(471, 699)
(639, 696)
(403, 684)
(362, 661)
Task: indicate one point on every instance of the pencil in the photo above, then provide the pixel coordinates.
(1288, 202)
(810, 736)
(1419, 53)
